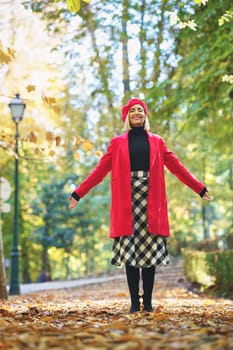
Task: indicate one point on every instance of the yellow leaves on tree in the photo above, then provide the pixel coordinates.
(77, 156)
(6, 55)
(74, 5)
(87, 146)
(99, 153)
(201, 2)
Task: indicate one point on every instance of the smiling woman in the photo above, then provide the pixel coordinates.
(139, 218)
(137, 116)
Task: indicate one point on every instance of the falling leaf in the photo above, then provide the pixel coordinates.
(49, 136)
(56, 109)
(31, 88)
(52, 153)
(6, 55)
(58, 140)
(48, 100)
(32, 137)
(38, 151)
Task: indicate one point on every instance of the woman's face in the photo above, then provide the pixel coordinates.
(137, 116)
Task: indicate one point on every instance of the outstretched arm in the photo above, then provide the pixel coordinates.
(175, 166)
(94, 178)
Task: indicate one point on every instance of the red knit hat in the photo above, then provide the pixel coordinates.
(133, 101)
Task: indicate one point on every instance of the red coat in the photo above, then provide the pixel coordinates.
(117, 160)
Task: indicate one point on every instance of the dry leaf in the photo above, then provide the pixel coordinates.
(57, 109)
(49, 136)
(31, 88)
(48, 100)
(32, 137)
(52, 153)
(58, 140)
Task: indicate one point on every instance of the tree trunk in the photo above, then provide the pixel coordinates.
(67, 268)
(25, 247)
(205, 223)
(158, 53)
(3, 288)
(103, 70)
(125, 53)
(45, 261)
(142, 40)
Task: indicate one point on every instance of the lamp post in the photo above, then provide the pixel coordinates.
(17, 109)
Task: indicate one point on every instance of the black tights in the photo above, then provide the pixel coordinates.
(133, 278)
(148, 277)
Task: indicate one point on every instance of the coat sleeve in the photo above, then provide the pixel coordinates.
(97, 174)
(175, 166)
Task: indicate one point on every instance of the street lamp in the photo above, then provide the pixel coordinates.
(17, 109)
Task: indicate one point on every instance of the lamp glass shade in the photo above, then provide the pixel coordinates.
(17, 108)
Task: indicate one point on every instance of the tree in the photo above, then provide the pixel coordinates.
(3, 285)
(56, 229)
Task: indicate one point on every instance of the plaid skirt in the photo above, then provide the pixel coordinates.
(141, 249)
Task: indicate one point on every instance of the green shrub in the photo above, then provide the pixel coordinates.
(210, 269)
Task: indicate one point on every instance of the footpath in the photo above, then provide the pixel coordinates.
(166, 276)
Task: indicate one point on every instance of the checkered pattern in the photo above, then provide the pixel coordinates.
(142, 249)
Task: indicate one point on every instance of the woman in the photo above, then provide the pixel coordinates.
(139, 218)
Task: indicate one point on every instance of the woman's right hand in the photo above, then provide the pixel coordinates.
(73, 202)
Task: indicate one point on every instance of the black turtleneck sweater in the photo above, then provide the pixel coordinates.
(139, 149)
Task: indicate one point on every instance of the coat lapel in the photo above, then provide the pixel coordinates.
(153, 151)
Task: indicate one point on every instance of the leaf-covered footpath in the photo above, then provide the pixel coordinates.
(96, 317)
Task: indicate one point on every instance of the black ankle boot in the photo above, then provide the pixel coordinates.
(148, 275)
(147, 304)
(133, 277)
(135, 306)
